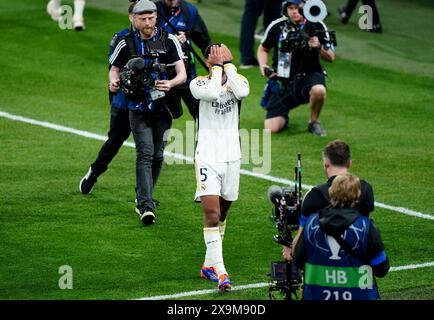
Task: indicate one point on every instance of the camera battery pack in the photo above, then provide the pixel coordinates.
(157, 94)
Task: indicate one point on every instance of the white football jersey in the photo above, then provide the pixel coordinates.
(217, 135)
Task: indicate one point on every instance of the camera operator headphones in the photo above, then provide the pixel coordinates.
(286, 4)
(312, 10)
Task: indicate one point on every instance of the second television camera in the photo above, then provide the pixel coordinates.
(298, 38)
(284, 276)
(314, 11)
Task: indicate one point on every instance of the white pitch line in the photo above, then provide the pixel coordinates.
(413, 266)
(202, 292)
(94, 136)
(262, 285)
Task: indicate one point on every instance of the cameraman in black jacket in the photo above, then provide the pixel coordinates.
(297, 76)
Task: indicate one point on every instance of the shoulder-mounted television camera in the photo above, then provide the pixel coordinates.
(284, 276)
(141, 72)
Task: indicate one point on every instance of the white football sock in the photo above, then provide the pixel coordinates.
(78, 9)
(214, 250)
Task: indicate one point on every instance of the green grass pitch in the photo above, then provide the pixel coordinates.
(380, 100)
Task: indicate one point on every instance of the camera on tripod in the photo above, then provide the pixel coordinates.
(285, 213)
(284, 276)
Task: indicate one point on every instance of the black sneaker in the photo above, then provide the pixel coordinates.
(147, 216)
(343, 16)
(316, 128)
(88, 181)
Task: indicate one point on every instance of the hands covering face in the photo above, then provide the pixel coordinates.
(219, 54)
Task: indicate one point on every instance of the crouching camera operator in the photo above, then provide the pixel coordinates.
(296, 76)
(139, 67)
(340, 250)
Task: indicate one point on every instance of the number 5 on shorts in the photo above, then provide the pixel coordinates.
(203, 175)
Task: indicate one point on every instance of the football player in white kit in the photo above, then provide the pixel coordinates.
(218, 153)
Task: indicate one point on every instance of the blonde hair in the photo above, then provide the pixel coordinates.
(345, 191)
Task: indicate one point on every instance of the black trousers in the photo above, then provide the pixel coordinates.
(252, 11)
(351, 5)
(118, 133)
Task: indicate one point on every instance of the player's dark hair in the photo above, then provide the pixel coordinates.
(208, 49)
(338, 152)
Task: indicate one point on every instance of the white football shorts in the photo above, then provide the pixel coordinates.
(221, 179)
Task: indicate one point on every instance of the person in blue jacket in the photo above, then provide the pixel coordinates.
(190, 29)
(341, 251)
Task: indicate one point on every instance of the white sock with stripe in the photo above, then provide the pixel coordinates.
(214, 250)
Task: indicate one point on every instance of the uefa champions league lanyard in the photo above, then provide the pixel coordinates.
(138, 38)
(172, 18)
